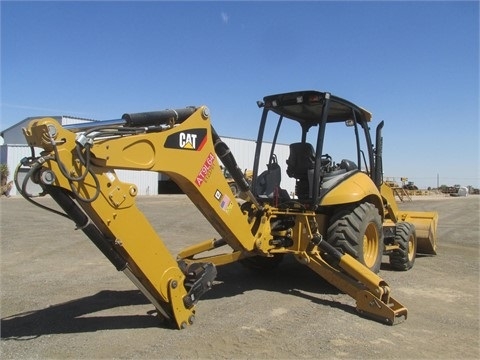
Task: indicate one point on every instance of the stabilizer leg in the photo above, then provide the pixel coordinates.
(371, 293)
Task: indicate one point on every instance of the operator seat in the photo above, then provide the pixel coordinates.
(268, 182)
(300, 164)
(301, 159)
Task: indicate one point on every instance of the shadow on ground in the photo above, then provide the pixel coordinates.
(76, 316)
(83, 315)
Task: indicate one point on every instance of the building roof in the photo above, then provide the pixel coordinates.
(63, 120)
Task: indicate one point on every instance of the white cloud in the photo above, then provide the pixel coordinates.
(225, 17)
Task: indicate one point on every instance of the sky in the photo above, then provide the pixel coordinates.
(414, 65)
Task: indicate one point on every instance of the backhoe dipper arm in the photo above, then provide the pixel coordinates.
(77, 170)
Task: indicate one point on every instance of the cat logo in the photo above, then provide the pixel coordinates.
(193, 139)
(187, 141)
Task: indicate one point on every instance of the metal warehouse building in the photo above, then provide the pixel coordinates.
(14, 148)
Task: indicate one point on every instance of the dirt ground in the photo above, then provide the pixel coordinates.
(60, 298)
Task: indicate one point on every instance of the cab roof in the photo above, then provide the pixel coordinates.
(306, 107)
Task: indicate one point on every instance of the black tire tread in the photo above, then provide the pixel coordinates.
(399, 258)
(346, 225)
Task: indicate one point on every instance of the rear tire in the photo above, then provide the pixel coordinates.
(403, 258)
(357, 231)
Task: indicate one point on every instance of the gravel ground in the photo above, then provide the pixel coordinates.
(60, 298)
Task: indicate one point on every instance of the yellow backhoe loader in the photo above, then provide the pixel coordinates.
(339, 222)
(233, 185)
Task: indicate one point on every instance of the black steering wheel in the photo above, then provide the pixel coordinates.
(326, 161)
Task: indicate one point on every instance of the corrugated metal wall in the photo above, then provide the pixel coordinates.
(146, 181)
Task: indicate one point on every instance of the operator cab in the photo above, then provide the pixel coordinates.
(310, 122)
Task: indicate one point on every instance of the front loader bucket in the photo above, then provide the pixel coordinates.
(426, 229)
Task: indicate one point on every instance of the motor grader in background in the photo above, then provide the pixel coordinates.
(339, 222)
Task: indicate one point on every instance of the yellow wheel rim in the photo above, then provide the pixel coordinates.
(370, 245)
(411, 248)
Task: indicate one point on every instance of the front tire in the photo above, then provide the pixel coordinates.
(358, 231)
(403, 258)
(234, 189)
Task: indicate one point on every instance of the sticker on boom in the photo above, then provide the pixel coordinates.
(193, 139)
(225, 202)
(206, 170)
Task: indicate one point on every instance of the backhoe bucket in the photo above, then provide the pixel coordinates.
(426, 229)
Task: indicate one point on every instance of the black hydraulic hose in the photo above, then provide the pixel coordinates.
(35, 164)
(227, 158)
(156, 118)
(22, 189)
(224, 153)
(326, 247)
(83, 223)
(72, 179)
